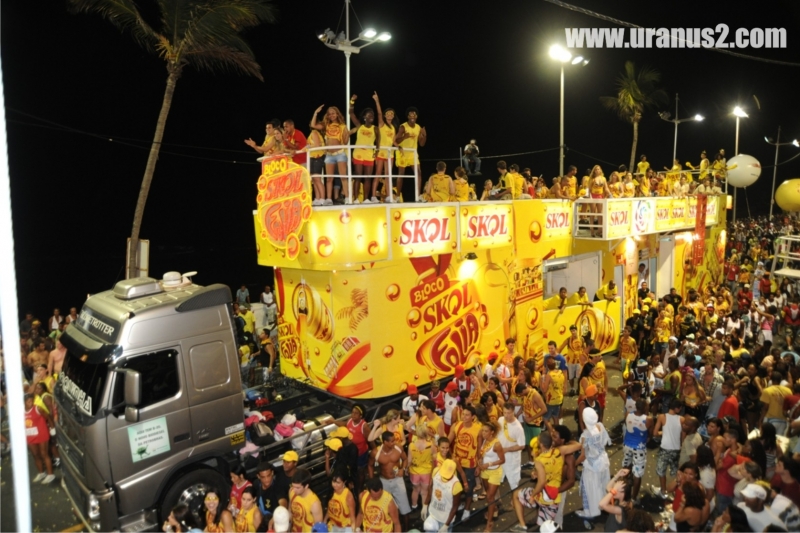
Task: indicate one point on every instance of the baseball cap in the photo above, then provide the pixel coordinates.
(591, 390)
(412, 389)
(282, 519)
(493, 357)
(319, 527)
(753, 490)
(334, 444)
(447, 469)
(342, 433)
(690, 336)
(645, 308)
(459, 370)
(450, 387)
(642, 362)
(746, 285)
(291, 455)
(635, 312)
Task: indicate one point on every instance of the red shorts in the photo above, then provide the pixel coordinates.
(364, 163)
(601, 399)
(598, 196)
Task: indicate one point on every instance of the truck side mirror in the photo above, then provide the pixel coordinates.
(133, 388)
(131, 414)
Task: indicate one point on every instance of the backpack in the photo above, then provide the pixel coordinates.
(261, 434)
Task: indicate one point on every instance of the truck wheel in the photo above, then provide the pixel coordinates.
(191, 489)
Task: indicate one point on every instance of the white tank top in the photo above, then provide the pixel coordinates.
(490, 456)
(442, 498)
(671, 436)
(449, 404)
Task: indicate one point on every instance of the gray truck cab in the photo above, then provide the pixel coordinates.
(150, 400)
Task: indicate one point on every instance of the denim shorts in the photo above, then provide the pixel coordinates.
(330, 159)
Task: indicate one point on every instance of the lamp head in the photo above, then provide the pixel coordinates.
(577, 59)
(768, 139)
(559, 53)
(698, 118)
(384, 36)
(369, 33)
(739, 112)
(794, 142)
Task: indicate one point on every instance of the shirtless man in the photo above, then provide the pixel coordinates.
(39, 355)
(56, 359)
(390, 459)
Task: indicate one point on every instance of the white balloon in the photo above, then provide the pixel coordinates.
(743, 171)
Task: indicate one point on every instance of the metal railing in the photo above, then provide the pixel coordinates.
(348, 148)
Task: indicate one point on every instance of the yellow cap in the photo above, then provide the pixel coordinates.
(334, 444)
(342, 433)
(447, 469)
(291, 455)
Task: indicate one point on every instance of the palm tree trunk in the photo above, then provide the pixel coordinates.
(138, 214)
(635, 142)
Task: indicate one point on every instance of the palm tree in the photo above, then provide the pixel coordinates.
(636, 91)
(201, 33)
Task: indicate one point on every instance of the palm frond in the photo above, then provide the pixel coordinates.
(213, 58)
(124, 14)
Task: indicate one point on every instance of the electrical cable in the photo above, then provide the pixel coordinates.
(613, 20)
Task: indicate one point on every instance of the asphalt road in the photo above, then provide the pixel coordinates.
(51, 510)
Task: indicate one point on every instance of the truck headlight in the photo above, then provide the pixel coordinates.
(94, 508)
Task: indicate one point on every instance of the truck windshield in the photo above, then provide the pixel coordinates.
(84, 375)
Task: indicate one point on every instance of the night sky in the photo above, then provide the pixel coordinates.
(473, 69)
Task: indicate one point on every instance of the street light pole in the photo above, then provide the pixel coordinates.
(739, 113)
(561, 128)
(347, 62)
(774, 172)
(675, 144)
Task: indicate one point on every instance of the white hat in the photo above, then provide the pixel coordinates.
(431, 525)
(754, 490)
(548, 526)
(589, 417)
(282, 519)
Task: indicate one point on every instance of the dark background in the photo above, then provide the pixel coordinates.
(474, 69)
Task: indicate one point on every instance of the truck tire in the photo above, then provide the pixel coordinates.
(191, 488)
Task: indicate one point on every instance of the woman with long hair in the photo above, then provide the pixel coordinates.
(180, 520)
(421, 451)
(218, 518)
(249, 517)
(391, 421)
(388, 126)
(707, 468)
(619, 491)
(598, 189)
(615, 185)
(732, 519)
(692, 396)
(489, 403)
(692, 514)
(769, 438)
(746, 472)
(491, 458)
(334, 127)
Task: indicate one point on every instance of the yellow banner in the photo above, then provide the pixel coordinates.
(557, 219)
(619, 218)
(421, 231)
(486, 226)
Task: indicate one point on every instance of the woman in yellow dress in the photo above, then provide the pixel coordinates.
(461, 185)
(598, 189)
(491, 458)
(628, 188)
(248, 518)
(489, 402)
(391, 422)
(341, 512)
(421, 451)
(387, 125)
(615, 185)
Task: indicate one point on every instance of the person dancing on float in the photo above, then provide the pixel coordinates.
(336, 134)
(367, 134)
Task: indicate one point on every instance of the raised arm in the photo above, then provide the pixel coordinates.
(314, 125)
(378, 109)
(353, 117)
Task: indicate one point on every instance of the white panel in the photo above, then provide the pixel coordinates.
(665, 266)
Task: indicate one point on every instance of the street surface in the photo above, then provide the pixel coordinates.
(52, 511)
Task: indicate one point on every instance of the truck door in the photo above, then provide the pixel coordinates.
(162, 432)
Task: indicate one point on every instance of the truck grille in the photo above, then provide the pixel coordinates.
(73, 488)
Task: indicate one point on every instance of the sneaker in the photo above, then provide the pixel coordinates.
(338, 201)
(49, 479)
(327, 201)
(57, 462)
(374, 200)
(40, 476)
(657, 492)
(528, 465)
(560, 421)
(461, 507)
(465, 516)
(588, 526)
(583, 513)
(316, 202)
(519, 527)
(356, 201)
(366, 201)
(348, 201)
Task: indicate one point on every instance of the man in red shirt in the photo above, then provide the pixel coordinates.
(294, 140)
(730, 405)
(744, 297)
(787, 472)
(726, 482)
(791, 317)
(733, 274)
(764, 286)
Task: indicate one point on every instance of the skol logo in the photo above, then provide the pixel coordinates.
(618, 218)
(662, 213)
(678, 212)
(557, 220)
(452, 328)
(486, 226)
(425, 230)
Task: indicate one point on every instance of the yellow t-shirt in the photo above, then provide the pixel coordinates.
(462, 190)
(440, 188)
(628, 190)
(408, 159)
(663, 329)
(300, 507)
(338, 511)
(627, 349)
(643, 167)
(555, 391)
(376, 513)
(597, 377)
(365, 136)
(465, 447)
(573, 185)
(773, 396)
(616, 189)
(554, 303)
(517, 185)
(604, 291)
(421, 460)
(553, 465)
(387, 137)
(574, 350)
